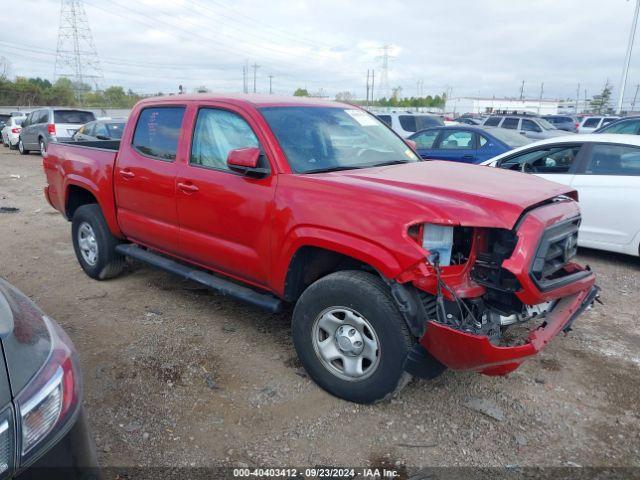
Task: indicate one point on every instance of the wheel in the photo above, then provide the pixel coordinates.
(12, 146)
(43, 148)
(351, 338)
(21, 149)
(94, 244)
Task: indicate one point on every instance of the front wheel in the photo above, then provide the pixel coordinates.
(21, 149)
(351, 338)
(94, 244)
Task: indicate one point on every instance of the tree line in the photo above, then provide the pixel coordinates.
(394, 100)
(38, 91)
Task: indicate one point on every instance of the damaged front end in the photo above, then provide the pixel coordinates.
(488, 298)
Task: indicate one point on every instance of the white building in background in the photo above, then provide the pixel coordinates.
(479, 105)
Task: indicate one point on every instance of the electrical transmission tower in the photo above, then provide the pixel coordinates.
(384, 78)
(76, 55)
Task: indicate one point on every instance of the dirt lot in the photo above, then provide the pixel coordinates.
(175, 375)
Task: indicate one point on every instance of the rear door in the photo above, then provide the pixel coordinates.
(145, 177)
(29, 133)
(224, 216)
(457, 145)
(608, 182)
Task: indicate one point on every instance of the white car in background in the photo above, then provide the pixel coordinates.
(11, 131)
(604, 169)
(408, 123)
(592, 123)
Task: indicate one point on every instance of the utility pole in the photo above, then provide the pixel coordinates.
(635, 95)
(627, 61)
(522, 91)
(255, 67)
(367, 101)
(373, 82)
(244, 79)
(585, 100)
(577, 98)
(384, 79)
(76, 54)
(270, 84)
(540, 99)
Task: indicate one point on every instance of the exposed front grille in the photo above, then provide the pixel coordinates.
(558, 245)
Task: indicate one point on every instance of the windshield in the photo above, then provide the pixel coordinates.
(546, 125)
(511, 138)
(318, 139)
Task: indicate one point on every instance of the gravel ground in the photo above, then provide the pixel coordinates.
(176, 375)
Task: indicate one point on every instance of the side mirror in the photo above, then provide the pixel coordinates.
(245, 161)
(412, 145)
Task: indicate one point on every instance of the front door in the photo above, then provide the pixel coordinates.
(145, 176)
(224, 216)
(609, 190)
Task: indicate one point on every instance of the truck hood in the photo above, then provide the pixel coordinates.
(455, 193)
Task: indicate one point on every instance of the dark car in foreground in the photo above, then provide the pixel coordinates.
(43, 431)
(100, 130)
(466, 143)
(563, 122)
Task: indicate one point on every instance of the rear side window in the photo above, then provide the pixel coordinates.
(73, 116)
(458, 139)
(426, 121)
(218, 132)
(386, 119)
(492, 121)
(591, 122)
(42, 117)
(614, 160)
(157, 132)
(510, 123)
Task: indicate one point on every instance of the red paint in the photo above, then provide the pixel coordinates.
(250, 228)
(244, 157)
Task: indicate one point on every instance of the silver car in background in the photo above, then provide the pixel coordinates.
(51, 124)
(530, 126)
(11, 131)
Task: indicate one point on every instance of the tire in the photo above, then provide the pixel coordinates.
(104, 262)
(21, 149)
(12, 147)
(353, 296)
(43, 147)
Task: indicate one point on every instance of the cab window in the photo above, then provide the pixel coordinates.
(158, 131)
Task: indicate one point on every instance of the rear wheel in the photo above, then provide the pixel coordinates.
(94, 244)
(21, 149)
(350, 337)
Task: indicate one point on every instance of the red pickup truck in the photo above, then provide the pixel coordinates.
(396, 266)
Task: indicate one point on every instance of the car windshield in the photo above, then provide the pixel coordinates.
(511, 138)
(115, 129)
(546, 125)
(320, 139)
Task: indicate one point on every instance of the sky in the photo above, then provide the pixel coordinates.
(465, 47)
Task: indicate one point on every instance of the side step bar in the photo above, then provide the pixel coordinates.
(266, 301)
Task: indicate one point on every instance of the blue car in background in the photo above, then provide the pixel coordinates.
(465, 143)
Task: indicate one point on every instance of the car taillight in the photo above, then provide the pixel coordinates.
(15, 130)
(51, 398)
(7, 443)
(51, 128)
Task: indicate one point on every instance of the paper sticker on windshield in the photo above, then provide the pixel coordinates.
(362, 118)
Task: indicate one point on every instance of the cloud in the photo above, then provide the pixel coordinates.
(474, 47)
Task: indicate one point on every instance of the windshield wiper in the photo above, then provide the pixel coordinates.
(390, 162)
(332, 169)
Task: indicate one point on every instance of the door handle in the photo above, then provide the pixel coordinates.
(467, 157)
(188, 187)
(126, 173)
